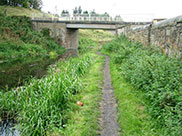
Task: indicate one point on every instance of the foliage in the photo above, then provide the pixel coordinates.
(40, 105)
(36, 4)
(158, 76)
(132, 115)
(98, 36)
(84, 120)
(85, 44)
(85, 12)
(77, 11)
(65, 13)
(21, 47)
(21, 11)
(90, 39)
(13, 53)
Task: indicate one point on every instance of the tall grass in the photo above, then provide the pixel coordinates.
(86, 45)
(84, 120)
(40, 105)
(159, 78)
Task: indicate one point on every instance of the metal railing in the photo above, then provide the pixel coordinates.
(79, 19)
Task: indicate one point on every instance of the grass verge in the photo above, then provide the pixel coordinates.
(83, 121)
(132, 115)
(41, 105)
(137, 76)
(20, 11)
(24, 51)
(47, 106)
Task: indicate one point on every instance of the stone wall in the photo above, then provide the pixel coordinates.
(139, 33)
(167, 34)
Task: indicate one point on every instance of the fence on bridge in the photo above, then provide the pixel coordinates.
(80, 19)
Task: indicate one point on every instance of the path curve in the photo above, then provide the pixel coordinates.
(108, 123)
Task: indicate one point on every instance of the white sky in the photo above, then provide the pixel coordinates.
(130, 10)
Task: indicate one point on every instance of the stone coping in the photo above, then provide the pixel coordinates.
(169, 22)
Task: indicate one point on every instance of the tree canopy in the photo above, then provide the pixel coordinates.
(36, 4)
(77, 11)
(65, 13)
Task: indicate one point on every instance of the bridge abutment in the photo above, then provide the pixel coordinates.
(64, 36)
(71, 39)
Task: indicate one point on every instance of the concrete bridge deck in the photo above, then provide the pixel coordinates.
(105, 25)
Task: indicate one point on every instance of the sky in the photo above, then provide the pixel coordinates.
(129, 10)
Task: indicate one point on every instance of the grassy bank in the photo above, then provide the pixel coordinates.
(41, 105)
(48, 106)
(156, 77)
(23, 51)
(132, 115)
(83, 121)
(20, 11)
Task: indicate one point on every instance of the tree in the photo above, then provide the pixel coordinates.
(26, 4)
(106, 14)
(64, 13)
(36, 4)
(93, 12)
(75, 11)
(3, 2)
(85, 12)
(79, 10)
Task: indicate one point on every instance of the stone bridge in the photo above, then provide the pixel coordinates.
(66, 32)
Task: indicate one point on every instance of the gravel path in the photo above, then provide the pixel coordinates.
(109, 124)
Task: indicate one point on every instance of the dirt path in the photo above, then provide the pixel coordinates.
(109, 124)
